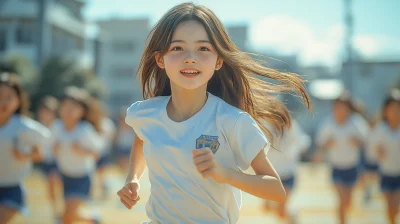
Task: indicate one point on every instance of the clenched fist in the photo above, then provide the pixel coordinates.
(129, 194)
(208, 166)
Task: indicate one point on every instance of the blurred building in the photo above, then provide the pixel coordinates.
(63, 30)
(239, 35)
(123, 43)
(371, 82)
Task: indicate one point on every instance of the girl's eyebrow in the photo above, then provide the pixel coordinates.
(199, 41)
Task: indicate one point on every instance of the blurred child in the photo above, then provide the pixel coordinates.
(77, 151)
(123, 142)
(46, 115)
(21, 139)
(290, 146)
(106, 129)
(385, 144)
(343, 135)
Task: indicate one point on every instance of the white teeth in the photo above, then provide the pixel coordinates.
(190, 72)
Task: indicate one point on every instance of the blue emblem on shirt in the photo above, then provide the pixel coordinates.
(208, 141)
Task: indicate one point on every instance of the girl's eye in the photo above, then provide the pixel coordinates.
(176, 49)
(204, 49)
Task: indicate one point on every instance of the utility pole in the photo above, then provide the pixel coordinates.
(41, 25)
(349, 24)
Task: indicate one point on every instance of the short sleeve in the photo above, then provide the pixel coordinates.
(300, 138)
(131, 117)
(373, 142)
(323, 133)
(90, 139)
(362, 127)
(247, 140)
(34, 134)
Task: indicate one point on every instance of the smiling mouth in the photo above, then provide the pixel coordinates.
(190, 72)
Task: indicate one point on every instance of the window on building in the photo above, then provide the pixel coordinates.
(123, 46)
(25, 33)
(3, 39)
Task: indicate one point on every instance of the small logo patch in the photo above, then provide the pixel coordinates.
(208, 141)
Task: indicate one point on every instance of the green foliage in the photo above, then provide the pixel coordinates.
(58, 73)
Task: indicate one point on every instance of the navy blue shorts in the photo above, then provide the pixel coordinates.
(48, 168)
(76, 187)
(12, 197)
(288, 182)
(346, 177)
(103, 161)
(390, 184)
(371, 167)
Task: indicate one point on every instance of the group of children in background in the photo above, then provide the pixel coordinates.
(71, 142)
(74, 136)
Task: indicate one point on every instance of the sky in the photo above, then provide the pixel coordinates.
(311, 29)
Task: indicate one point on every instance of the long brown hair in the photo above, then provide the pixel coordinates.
(234, 82)
(12, 81)
(393, 97)
(354, 106)
(79, 96)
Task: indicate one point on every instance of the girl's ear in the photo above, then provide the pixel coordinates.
(160, 61)
(219, 64)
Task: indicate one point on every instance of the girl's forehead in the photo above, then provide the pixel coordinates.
(6, 89)
(190, 31)
(69, 101)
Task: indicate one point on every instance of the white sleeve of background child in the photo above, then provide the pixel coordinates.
(362, 128)
(90, 139)
(34, 134)
(374, 141)
(247, 140)
(301, 140)
(323, 133)
(109, 129)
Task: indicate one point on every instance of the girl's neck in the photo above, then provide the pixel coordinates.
(4, 120)
(186, 103)
(70, 125)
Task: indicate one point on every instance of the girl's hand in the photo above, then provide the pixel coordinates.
(380, 153)
(36, 154)
(208, 166)
(77, 149)
(129, 194)
(18, 154)
(330, 143)
(355, 142)
(56, 148)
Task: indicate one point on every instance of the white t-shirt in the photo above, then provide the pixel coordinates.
(23, 133)
(342, 154)
(179, 194)
(48, 150)
(291, 145)
(389, 141)
(69, 162)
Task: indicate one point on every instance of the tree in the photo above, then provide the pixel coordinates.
(23, 67)
(60, 72)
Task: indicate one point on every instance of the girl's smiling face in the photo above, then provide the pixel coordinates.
(191, 59)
